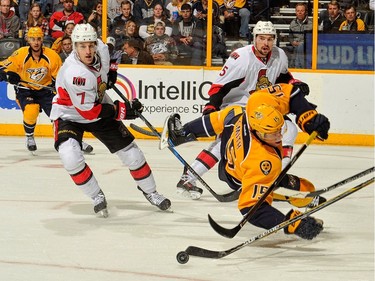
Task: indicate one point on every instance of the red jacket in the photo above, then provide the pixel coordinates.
(59, 19)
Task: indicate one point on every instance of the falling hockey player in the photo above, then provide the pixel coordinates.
(251, 152)
(82, 105)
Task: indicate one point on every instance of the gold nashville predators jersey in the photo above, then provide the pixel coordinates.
(249, 162)
(41, 71)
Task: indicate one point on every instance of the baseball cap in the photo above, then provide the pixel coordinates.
(111, 40)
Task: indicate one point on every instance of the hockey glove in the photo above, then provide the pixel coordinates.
(112, 75)
(307, 228)
(3, 76)
(311, 121)
(127, 110)
(121, 110)
(13, 77)
(136, 109)
(208, 108)
(302, 87)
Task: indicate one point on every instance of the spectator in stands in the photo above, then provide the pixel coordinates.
(23, 9)
(36, 18)
(234, 11)
(114, 10)
(335, 18)
(174, 9)
(130, 31)
(66, 47)
(57, 44)
(9, 22)
(96, 17)
(144, 9)
(85, 7)
(297, 30)
(134, 53)
(115, 55)
(59, 19)
(146, 29)
(182, 31)
(161, 46)
(126, 15)
(200, 9)
(219, 48)
(352, 23)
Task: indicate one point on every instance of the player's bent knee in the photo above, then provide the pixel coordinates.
(71, 156)
(131, 156)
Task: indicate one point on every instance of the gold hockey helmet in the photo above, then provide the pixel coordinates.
(265, 118)
(35, 32)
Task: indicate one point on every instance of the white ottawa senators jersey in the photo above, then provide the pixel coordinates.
(80, 88)
(41, 71)
(244, 73)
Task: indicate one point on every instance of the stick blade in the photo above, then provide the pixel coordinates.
(164, 135)
(225, 232)
(204, 253)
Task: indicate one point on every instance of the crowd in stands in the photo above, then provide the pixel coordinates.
(162, 31)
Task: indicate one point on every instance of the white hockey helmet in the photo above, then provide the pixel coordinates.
(264, 27)
(84, 32)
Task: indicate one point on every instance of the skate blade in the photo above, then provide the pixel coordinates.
(104, 213)
(33, 153)
(188, 194)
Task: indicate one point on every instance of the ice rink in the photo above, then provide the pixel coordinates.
(48, 230)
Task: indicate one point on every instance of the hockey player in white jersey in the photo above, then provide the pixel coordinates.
(82, 105)
(248, 69)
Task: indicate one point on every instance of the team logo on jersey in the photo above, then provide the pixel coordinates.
(265, 167)
(234, 55)
(79, 81)
(263, 83)
(37, 74)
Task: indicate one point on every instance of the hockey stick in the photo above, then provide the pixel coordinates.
(142, 131)
(230, 233)
(38, 85)
(229, 197)
(300, 194)
(183, 257)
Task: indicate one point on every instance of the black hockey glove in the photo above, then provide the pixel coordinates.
(318, 123)
(302, 87)
(136, 109)
(112, 75)
(208, 108)
(13, 77)
(307, 228)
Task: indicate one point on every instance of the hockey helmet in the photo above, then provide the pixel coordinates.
(264, 27)
(265, 118)
(84, 33)
(35, 32)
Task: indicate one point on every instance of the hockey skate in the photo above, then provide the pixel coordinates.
(31, 144)
(186, 188)
(157, 200)
(317, 200)
(86, 148)
(100, 204)
(173, 131)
